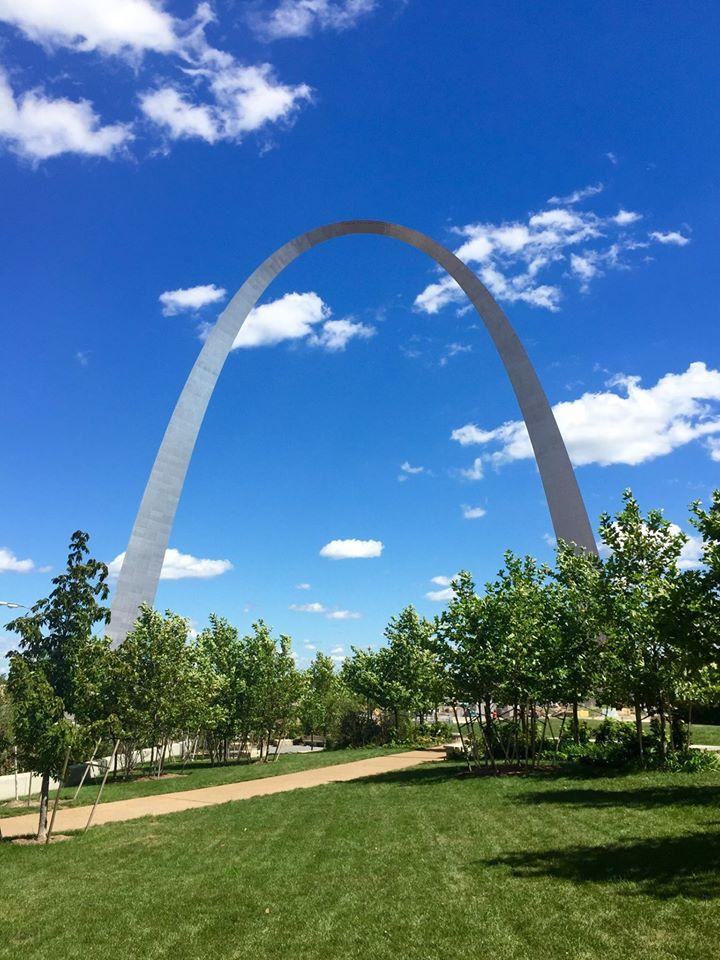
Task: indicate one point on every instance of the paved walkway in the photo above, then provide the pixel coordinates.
(75, 818)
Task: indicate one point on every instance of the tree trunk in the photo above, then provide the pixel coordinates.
(488, 721)
(575, 723)
(638, 726)
(44, 797)
(663, 731)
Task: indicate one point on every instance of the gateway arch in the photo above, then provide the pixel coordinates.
(144, 557)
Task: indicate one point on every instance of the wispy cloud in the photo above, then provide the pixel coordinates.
(198, 91)
(301, 18)
(530, 261)
(473, 513)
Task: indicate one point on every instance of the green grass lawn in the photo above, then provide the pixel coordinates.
(199, 774)
(417, 865)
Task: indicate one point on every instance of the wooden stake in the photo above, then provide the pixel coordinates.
(87, 770)
(57, 794)
(102, 787)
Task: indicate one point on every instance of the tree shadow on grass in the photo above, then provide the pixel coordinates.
(659, 867)
(645, 797)
(439, 772)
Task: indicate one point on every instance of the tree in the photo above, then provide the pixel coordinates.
(403, 677)
(220, 657)
(577, 606)
(6, 737)
(469, 637)
(270, 686)
(321, 698)
(155, 673)
(641, 586)
(44, 674)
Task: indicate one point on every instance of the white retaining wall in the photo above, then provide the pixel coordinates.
(7, 783)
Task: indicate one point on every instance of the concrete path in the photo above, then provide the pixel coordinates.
(75, 818)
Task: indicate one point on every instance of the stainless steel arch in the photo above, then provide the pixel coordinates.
(149, 539)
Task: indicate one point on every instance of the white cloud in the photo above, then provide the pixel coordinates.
(440, 596)
(343, 615)
(290, 318)
(692, 551)
(300, 18)
(171, 110)
(298, 316)
(452, 350)
(9, 563)
(338, 657)
(336, 334)
(578, 195)
(441, 581)
(180, 566)
(307, 607)
(321, 608)
(209, 94)
(352, 549)
(408, 470)
(473, 513)
(37, 127)
(309, 646)
(631, 424)
(475, 471)
(527, 261)
(625, 217)
(338, 650)
(713, 446)
(243, 100)
(110, 26)
(671, 237)
(190, 298)
(303, 586)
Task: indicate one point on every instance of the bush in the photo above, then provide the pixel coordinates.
(614, 731)
(692, 761)
(357, 729)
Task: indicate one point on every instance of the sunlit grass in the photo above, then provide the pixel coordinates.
(417, 865)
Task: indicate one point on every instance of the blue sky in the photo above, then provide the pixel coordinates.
(568, 151)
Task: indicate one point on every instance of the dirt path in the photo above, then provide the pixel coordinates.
(75, 818)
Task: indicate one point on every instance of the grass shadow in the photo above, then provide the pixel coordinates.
(647, 798)
(439, 772)
(659, 867)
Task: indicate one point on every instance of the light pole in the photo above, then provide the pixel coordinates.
(12, 606)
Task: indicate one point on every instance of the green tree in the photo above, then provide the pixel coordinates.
(270, 687)
(156, 675)
(402, 677)
(470, 639)
(578, 611)
(44, 673)
(641, 586)
(322, 697)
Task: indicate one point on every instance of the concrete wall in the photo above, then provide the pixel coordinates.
(7, 783)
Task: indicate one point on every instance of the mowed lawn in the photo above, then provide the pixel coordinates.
(193, 776)
(417, 865)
